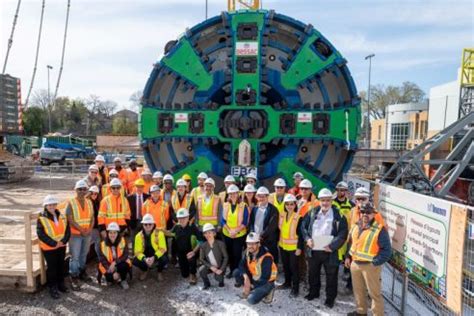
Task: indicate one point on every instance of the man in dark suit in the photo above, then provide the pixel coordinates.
(136, 200)
(264, 221)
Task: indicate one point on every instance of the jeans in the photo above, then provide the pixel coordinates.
(258, 293)
(79, 248)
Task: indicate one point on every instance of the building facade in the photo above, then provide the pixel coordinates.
(10, 105)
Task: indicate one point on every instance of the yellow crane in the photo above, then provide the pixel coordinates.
(233, 5)
(466, 102)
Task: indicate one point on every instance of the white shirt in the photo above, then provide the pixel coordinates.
(322, 225)
(212, 259)
(259, 219)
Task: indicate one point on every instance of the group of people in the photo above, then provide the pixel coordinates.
(240, 234)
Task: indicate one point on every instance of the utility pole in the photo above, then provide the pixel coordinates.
(206, 8)
(49, 100)
(367, 125)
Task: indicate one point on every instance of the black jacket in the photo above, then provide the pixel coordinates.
(266, 267)
(339, 231)
(132, 201)
(44, 237)
(270, 233)
(103, 258)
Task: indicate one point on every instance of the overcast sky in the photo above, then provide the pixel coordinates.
(112, 44)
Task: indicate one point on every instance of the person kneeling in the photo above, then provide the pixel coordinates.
(150, 248)
(257, 272)
(213, 256)
(113, 257)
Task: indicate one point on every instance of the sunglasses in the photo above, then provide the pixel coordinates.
(366, 212)
(82, 189)
(115, 188)
(361, 199)
(279, 188)
(148, 224)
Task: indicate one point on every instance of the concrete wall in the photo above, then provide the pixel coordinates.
(444, 106)
(400, 113)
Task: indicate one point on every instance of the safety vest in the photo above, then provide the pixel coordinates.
(176, 204)
(364, 245)
(273, 199)
(207, 212)
(196, 192)
(355, 216)
(255, 267)
(53, 230)
(344, 209)
(106, 190)
(123, 176)
(109, 254)
(288, 231)
(162, 195)
(132, 176)
(158, 242)
(113, 209)
(305, 206)
(159, 210)
(82, 216)
(234, 219)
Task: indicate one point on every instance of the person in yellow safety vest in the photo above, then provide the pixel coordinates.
(199, 190)
(103, 174)
(208, 206)
(369, 248)
(182, 199)
(345, 205)
(168, 191)
(234, 221)
(113, 174)
(249, 197)
(295, 190)
(113, 208)
(53, 233)
(276, 198)
(148, 181)
(251, 178)
(291, 244)
(80, 216)
(158, 178)
(122, 173)
(158, 208)
(114, 263)
(187, 178)
(257, 272)
(228, 180)
(150, 248)
(133, 174)
(307, 199)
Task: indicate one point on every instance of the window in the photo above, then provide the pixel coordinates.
(379, 132)
(399, 136)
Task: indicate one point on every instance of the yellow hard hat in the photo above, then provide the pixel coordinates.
(186, 177)
(140, 183)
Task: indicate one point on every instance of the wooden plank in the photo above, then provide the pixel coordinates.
(5, 212)
(12, 272)
(29, 252)
(11, 241)
(42, 268)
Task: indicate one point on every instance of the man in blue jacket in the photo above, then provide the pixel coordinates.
(323, 224)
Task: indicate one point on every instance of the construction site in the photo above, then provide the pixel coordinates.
(243, 91)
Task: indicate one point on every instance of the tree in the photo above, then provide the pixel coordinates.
(381, 97)
(122, 126)
(135, 100)
(33, 121)
(41, 98)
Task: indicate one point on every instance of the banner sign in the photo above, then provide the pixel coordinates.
(354, 183)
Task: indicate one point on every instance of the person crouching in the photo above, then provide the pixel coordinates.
(213, 256)
(150, 248)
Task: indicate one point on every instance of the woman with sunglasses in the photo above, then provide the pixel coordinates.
(291, 244)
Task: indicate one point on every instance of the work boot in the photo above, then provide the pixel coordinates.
(269, 298)
(294, 293)
(329, 303)
(160, 277)
(311, 296)
(142, 275)
(192, 279)
(221, 284)
(124, 285)
(62, 288)
(84, 276)
(53, 292)
(75, 284)
(207, 285)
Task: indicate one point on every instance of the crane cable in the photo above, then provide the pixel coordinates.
(10, 40)
(37, 53)
(64, 49)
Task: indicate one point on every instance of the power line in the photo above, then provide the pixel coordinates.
(10, 40)
(64, 49)
(37, 53)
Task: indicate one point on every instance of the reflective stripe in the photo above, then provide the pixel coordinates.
(158, 243)
(158, 210)
(207, 212)
(288, 231)
(365, 244)
(234, 219)
(55, 232)
(108, 253)
(274, 200)
(83, 217)
(108, 214)
(177, 205)
(255, 267)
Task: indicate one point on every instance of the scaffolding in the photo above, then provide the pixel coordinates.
(466, 95)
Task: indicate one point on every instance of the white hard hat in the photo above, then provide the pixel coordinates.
(168, 177)
(233, 189)
(289, 198)
(181, 182)
(99, 158)
(298, 175)
(146, 172)
(115, 183)
(113, 227)
(49, 200)
(80, 185)
(229, 178)
(342, 185)
(155, 188)
(279, 183)
(324, 193)
(305, 183)
(253, 237)
(117, 159)
(94, 189)
(210, 181)
(182, 212)
(113, 171)
(263, 190)
(157, 175)
(202, 175)
(207, 227)
(251, 175)
(93, 168)
(148, 219)
(362, 192)
(250, 188)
